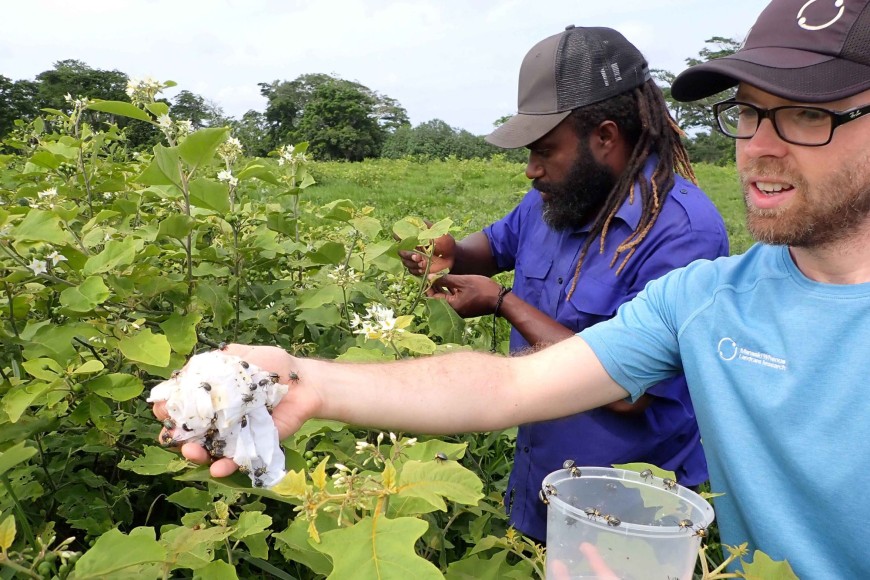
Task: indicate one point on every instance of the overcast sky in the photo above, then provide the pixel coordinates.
(455, 60)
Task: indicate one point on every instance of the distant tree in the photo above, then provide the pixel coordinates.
(253, 132)
(199, 111)
(704, 142)
(339, 123)
(288, 100)
(17, 101)
(436, 139)
(77, 79)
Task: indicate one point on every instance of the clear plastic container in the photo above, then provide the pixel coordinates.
(613, 523)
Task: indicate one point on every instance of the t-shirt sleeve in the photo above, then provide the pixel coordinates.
(639, 347)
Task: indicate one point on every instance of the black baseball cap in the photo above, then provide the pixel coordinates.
(572, 69)
(803, 50)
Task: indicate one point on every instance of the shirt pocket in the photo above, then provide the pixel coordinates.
(594, 301)
(533, 274)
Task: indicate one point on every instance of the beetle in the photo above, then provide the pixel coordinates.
(685, 524)
(701, 533)
(222, 345)
(592, 512)
(259, 471)
(543, 497)
(294, 377)
(205, 386)
(185, 427)
(244, 364)
(169, 424)
(550, 489)
(258, 482)
(441, 457)
(247, 398)
(175, 374)
(646, 474)
(669, 483)
(244, 421)
(612, 520)
(274, 377)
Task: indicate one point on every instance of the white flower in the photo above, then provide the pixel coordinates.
(393, 437)
(344, 276)
(411, 442)
(184, 127)
(230, 150)
(227, 175)
(50, 192)
(164, 121)
(38, 266)
(56, 258)
(68, 98)
(107, 196)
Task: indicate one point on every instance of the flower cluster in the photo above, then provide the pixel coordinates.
(288, 154)
(227, 176)
(378, 323)
(230, 150)
(78, 104)
(373, 450)
(38, 266)
(143, 91)
(344, 276)
(174, 129)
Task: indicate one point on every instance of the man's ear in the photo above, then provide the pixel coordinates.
(605, 138)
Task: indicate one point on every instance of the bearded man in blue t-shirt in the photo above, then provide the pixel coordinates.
(607, 213)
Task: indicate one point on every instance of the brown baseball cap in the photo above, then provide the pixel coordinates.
(811, 51)
(572, 69)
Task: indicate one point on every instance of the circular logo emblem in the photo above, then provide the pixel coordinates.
(802, 20)
(727, 349)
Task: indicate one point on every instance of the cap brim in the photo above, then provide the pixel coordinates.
(522, 130)
(791, 74)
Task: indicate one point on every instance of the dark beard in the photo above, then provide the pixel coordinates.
(579, 197)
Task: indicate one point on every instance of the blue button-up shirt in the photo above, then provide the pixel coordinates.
(666, 434)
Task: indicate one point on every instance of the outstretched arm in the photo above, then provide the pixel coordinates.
(455, 393)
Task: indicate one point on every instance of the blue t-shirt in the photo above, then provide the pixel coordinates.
(776, 364)
(544, 260)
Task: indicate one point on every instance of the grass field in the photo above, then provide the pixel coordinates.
(473, 193)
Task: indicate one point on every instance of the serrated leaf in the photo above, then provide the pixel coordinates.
(199, 148)
(293, 484)
(116, 386)
(86, 296)
(434, 480)
(251, 523)
(121, 108)
(763, 567)
(146, 347)
(115, 553)
(379, 548)
(7, 532)
(154, 462)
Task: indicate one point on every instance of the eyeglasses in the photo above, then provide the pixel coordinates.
(810, 126)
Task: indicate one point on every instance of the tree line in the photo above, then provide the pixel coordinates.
(341, 119)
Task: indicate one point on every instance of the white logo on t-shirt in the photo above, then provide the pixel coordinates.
(729, 351)
(802, 21)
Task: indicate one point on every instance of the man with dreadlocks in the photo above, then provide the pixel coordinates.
(606, 215)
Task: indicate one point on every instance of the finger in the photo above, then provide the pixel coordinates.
(223, 467)
(558, 570)
(159, 410)
(195, 452)
(597, 563)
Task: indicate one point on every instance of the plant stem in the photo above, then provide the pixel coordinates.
(5, 561)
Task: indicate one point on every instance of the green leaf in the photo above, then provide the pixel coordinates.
(433, 480)
(329, 253)
(62, 150)
(18, 399)
(43, 368)
(191, 498)
(209, 194)
(340, 210)
(7, 532)
(90, 367)
(199, 148)
(14, 455)
(444, 322)
(116, 386)
(357, 354)
(180, 331)
(261, 172)
(153, 175)
(188, 548)
(296, 546)
(436, 231)
(158, 108)
(155, 461)
(168, 163)
(368, 226)
(408, 228)
(251, 523)
(115, 553)
(328, 294)
(115, 255)
(176, 226)
(146, 347)
(496, 568)
(41, 226)
(86, 296)
(382, 549)
(417, 343)
(216, 570)
(765, 568)
(218, 300)
(121, 108)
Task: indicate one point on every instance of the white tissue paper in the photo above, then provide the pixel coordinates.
(224, 404)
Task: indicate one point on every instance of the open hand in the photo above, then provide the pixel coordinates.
(469, 295)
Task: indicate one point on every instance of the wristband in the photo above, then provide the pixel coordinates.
(501, 294)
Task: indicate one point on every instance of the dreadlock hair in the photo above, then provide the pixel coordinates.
(643, 118)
